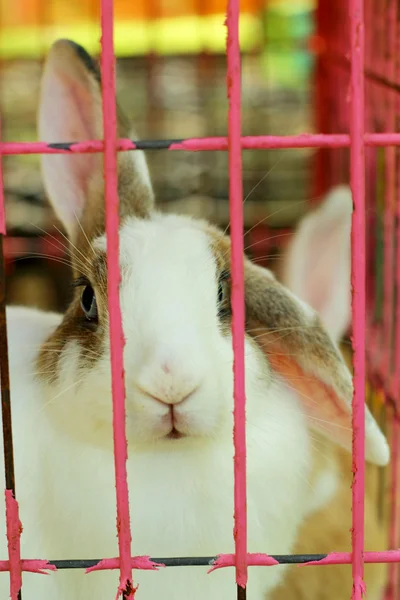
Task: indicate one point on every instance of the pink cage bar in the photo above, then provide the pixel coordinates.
(357, 102)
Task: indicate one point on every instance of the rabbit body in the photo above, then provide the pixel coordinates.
(181, 497)
(328, 529)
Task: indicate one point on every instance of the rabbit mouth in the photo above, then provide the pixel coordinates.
(174, 434)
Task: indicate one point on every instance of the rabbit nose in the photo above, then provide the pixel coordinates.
(167, 380)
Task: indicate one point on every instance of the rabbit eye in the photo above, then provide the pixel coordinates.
(88, 303)
(223, 293)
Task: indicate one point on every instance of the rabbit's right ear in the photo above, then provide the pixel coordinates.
(317, 263)
(70, 110)
(301, 352)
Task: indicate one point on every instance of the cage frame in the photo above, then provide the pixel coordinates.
(357, 141)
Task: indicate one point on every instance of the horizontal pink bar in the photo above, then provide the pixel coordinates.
(30, 566)
(334, 558)
(304, 140)
(143, 563)
(90, 146)
(345, 558)
(228, 560)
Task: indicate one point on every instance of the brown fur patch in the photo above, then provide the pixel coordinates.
(271, 304)
(134, 200)
(287, 328)
(75, 327)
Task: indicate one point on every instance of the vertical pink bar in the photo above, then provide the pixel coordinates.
(238, 308)
(393, 587)
(13, 524)
(358, 282)
(2, 219)
(395, 386)
(114, 277)
(390, 185)
(3, 230)
(14, 529)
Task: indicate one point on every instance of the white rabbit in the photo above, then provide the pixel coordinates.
(178, 369)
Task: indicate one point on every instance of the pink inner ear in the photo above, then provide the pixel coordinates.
(327, 412)
(69, 112)
(75, 101)
(322, 264)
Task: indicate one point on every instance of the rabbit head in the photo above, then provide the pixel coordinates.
(175, 302)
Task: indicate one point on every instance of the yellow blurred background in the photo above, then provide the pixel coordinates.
(163, 26)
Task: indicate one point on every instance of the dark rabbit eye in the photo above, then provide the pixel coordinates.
(88, 303)
(223, 293)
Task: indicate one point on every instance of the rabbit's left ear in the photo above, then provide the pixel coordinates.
(70, 110)
(299, 349)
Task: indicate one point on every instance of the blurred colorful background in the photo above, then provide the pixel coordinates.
(171, 82)
(162, 26)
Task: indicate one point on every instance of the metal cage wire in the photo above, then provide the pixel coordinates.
(359, 142)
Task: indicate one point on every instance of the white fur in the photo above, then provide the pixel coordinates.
(181, 491)
(325, 488)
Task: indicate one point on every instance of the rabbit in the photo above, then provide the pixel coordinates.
(317, 267)
(176, 313)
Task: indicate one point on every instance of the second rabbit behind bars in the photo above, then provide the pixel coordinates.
(175, 300)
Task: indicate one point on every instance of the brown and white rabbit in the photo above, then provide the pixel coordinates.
(175, 300)
(317, 267)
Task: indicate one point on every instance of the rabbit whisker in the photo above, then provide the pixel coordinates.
(76, 383)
